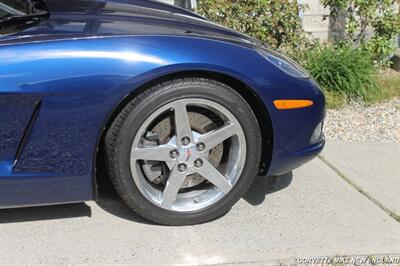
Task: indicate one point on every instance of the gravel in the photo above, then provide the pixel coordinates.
(360, 123)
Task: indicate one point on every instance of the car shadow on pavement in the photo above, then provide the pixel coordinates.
(263, 186)
(109, 200)
(42, 213)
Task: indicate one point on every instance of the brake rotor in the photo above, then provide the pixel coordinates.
(162, 133)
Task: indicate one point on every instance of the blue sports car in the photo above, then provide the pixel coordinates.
(183, 113)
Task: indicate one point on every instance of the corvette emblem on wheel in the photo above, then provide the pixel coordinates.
(188, 155)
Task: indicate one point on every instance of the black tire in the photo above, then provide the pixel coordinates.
(120, 136)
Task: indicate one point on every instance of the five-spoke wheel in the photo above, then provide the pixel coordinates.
(184, 152)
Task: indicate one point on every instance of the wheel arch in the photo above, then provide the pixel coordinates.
(249, 94)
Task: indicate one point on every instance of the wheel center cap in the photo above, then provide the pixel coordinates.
(187, 154)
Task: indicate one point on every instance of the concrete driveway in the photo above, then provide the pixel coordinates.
(343, 203)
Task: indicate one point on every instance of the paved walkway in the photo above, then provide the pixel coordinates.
(317, 210)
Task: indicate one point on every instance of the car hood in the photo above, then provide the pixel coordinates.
(75, 18)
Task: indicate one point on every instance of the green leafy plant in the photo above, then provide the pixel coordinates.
(371, 24)
(275, 22)
(343, 71)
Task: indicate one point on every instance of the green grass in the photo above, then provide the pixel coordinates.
(343, 70)
(348, 74)
(388, 84)
(335, 100)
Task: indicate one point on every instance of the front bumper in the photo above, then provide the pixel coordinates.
(298, 133)
(291, 161)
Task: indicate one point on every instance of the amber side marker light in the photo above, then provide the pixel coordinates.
(292, 104)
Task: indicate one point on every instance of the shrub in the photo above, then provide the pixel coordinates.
(341, 70)
(275, 22)
(362, 16)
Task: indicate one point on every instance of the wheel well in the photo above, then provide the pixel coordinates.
(246, 92)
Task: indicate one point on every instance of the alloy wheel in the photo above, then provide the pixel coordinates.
(188, 155)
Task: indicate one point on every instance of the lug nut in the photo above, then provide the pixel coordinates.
(198, 163)
(201, 146)
(182, 167)
(185, 141)
(174, 154)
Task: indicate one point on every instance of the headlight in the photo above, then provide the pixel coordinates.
(284, 63)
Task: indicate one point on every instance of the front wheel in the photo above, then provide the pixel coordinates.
(184, 152)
